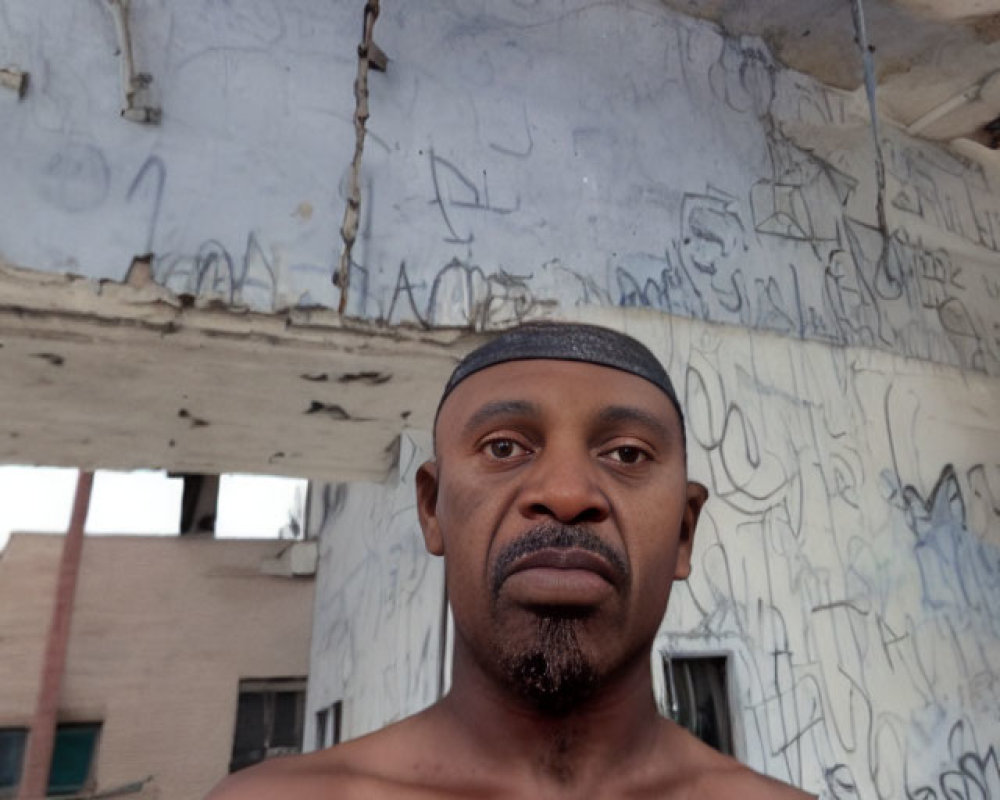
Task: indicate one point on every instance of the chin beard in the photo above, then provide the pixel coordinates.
(551, 672)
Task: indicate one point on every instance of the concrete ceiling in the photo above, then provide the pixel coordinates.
(937, 62)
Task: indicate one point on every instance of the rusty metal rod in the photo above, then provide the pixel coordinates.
(41, 739)
(349, 228)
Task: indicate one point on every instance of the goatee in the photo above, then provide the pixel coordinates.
(552, 673)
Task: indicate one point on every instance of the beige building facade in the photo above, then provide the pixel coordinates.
(166, 633)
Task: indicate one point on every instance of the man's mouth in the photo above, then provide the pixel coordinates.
(560, 577)
(559, 565)
(567, 559)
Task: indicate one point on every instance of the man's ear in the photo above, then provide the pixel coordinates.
(427, 494)
(697, 494)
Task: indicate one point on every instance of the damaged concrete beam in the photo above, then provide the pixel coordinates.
(110, 375)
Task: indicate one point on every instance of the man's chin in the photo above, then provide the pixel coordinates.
(551, 672)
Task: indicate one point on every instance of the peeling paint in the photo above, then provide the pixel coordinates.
(332, 410)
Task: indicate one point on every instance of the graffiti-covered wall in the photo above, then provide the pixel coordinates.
(378, 624)
(520, 156)
(848, 561)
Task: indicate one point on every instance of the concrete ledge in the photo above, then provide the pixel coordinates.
(119, 376)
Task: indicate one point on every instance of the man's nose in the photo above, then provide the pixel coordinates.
(563, 484)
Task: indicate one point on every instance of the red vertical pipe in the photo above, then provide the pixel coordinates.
(41, 739)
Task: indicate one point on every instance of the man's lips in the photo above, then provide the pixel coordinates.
(560, 577)
(565, 558)
(559, 565)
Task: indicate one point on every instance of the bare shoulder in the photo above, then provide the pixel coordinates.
(317, 775)
(743, 782)
(710, 774)
(380, 764)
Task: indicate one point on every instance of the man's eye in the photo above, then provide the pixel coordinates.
(503, 448)
(628, 455)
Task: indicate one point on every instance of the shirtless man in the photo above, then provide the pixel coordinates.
(559, 499)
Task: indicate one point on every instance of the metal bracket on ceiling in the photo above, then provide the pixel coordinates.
(14, 79)
(135, 85)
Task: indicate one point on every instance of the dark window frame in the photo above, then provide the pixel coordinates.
(329, 720)
(19, 732)
(85, 782)
(62, 756)
(697, 694)
(270, 720)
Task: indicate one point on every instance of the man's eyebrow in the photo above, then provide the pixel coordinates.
(499, 408)
(616, 414)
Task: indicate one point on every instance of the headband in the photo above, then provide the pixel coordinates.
(567, 341)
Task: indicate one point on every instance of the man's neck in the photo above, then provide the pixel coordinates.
(604, 735)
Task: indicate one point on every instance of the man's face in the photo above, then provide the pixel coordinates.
(560, 499)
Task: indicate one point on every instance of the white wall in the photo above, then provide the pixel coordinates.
(380, 602)
(848, 560)
(520, 156)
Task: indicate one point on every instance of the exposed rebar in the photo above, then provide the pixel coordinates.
(349, 228)
(134, 84)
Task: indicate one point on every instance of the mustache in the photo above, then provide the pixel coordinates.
(553, 535)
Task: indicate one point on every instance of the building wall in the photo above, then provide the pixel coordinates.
(848, 561)
(163, 630)
(378, 633)
(608, 154)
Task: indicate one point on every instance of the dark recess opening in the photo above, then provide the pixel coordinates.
(269, 720)
(697, 698)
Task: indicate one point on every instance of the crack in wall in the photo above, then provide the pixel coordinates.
(868, 62)
(368, 56)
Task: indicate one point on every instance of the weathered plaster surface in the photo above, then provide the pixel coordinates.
(380, 601)
(849, 559)
(518, 159)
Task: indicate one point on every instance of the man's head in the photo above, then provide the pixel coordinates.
(560, 499)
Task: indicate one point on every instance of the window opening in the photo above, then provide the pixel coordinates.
(12, 742)
(73, 757)
(269, 720)
(697, 698)
(322, 720)
(328, 725)
(199, 503)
